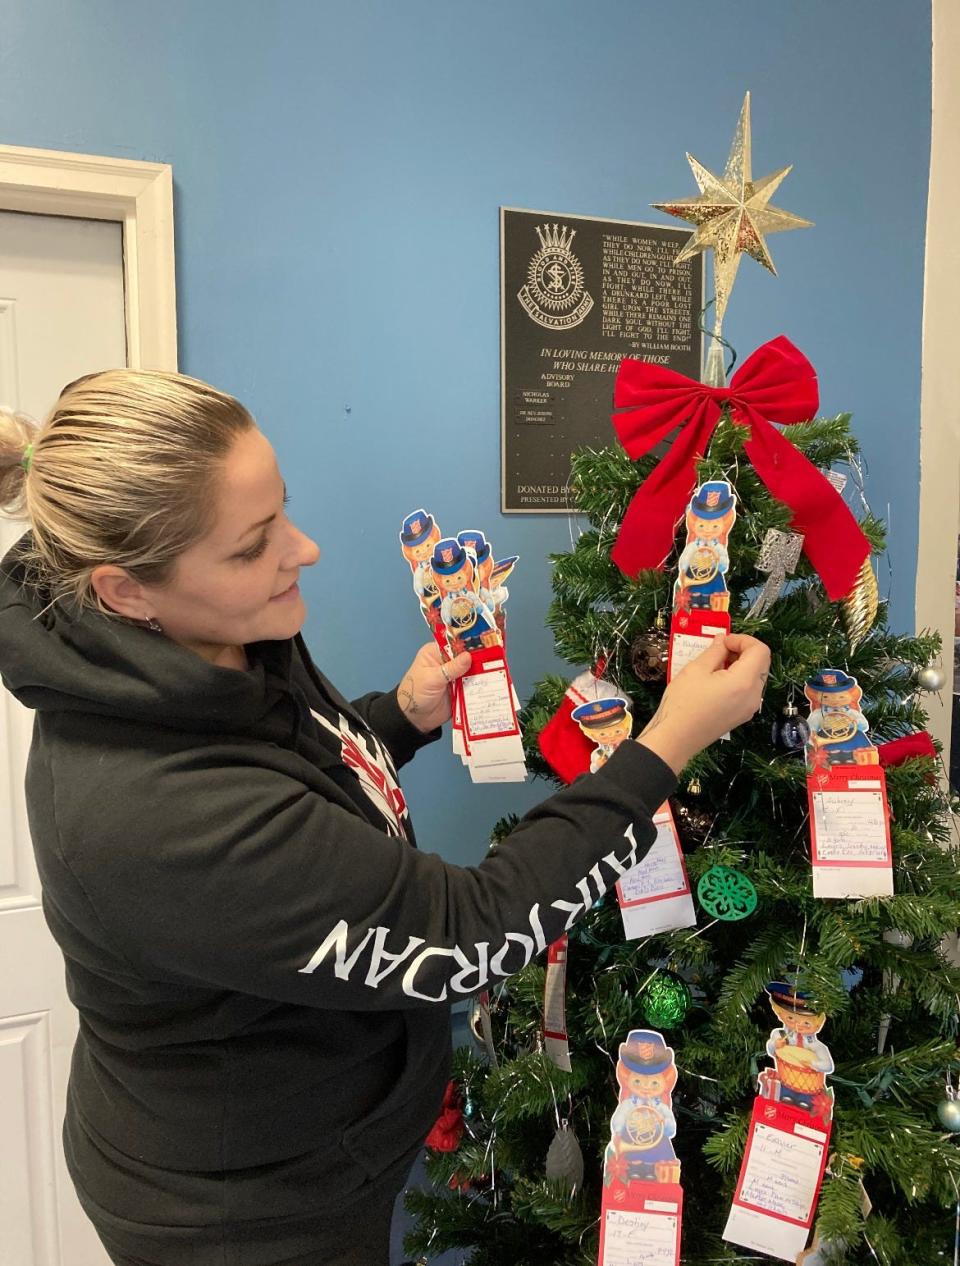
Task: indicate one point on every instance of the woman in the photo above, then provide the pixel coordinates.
(262, 960)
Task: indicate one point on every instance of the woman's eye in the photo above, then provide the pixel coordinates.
(256, 551)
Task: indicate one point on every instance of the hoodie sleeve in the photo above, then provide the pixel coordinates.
(240, 877)
(383, 714)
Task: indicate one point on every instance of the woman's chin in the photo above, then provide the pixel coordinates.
(285, 619)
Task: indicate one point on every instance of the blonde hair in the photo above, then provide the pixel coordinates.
(123, 471)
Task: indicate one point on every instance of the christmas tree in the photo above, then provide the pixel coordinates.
(876, 966)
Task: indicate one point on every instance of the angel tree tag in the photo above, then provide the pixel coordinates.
(655, 896)
(701, 600)
(642, 1206)
(786, 1153)
(847, 793)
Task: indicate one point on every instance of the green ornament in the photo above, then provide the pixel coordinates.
(726, 894)
(469, 1108)
(665, 1001)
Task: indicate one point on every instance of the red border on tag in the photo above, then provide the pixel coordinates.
(785, 1117)
(845, 778)
(486, 660)
(693, 623)
(661, 813)
(637, 1197)
(557, 959)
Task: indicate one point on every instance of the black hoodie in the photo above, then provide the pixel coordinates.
(259, 967)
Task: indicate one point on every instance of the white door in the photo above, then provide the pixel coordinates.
(61, 315)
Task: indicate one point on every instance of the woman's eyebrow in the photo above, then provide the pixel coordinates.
(263, 522)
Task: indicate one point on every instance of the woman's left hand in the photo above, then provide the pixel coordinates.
(424, 690)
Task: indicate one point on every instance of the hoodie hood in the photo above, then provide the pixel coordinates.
(57, 659)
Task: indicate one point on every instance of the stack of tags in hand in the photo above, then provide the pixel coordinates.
(461, 590)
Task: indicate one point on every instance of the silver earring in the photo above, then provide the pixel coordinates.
(152, 624)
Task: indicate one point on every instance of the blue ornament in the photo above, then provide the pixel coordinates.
(790, 732)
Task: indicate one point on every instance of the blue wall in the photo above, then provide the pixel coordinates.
(338, 171)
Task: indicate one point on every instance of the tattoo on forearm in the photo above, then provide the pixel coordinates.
(655, 720)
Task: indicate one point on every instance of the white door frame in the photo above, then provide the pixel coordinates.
(136, 194)
(940, 366)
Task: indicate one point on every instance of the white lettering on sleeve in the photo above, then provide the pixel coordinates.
(410, 974)
(380, 955)
(337, 938)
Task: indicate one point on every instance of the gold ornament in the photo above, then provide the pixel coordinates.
(858, 609)
(732, 214)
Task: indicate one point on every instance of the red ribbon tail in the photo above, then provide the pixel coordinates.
(832, 538)
(648, 527)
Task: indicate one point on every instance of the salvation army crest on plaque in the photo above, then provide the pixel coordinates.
(554, 295)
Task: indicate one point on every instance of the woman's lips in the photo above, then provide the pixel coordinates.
(292, 592)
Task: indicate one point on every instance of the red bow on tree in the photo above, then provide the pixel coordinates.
(776, 384)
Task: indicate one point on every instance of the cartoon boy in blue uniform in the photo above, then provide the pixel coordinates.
(468, 620)
(606, 722)
(838, 729)
(701, 583)
(491, 574)
(643, 1124)
(418, 536)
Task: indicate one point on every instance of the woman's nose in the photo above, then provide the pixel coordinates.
(301, 550)
(309, 551)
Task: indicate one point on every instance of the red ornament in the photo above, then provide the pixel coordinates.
(776, 384)
(448, 1128)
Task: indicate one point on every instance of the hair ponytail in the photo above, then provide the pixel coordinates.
(17, 434)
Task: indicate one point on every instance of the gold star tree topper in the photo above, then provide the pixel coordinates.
(732, 214)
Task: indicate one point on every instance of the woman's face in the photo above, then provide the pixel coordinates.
(239, 583)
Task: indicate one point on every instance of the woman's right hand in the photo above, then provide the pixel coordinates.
(717, 691)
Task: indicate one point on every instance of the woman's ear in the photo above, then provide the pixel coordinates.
(120, 592)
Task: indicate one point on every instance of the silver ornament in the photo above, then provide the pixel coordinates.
(948, 1110)
(902, 940)
(778, 557)
(565, 1160)
(931, 679)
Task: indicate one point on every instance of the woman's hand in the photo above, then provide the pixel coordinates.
(424, 690)
(717, 691)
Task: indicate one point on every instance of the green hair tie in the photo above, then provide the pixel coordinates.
(25, 459)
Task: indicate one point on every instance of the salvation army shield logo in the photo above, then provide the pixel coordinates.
(554, 295)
